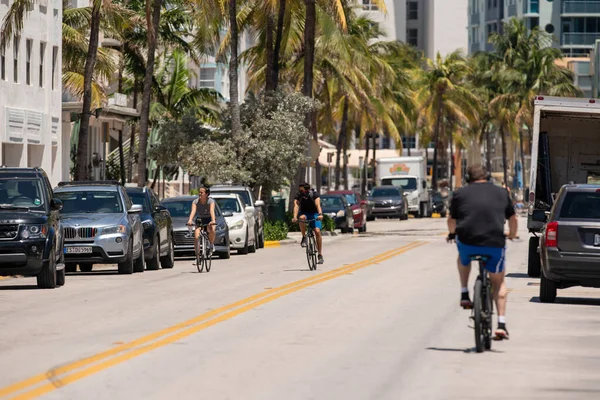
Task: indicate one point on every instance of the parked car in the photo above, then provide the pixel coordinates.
(180, 208)
(101, 226)
(338, 208)
(158, 228)
(240, 222)
(254, 205)
(570, 240)
(438, 204)
(358, 205)
(31, 239)
(389, 201)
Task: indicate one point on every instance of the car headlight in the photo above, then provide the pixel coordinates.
(34, 231)
(357, 211)
(341, 213)
(237, 225)
(114, 229)
(220, 227)
(147, 224)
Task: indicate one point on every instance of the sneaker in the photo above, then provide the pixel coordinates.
(320, 259)
(303, 242)
(465, 301)
(501, 332)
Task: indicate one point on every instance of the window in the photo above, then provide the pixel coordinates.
(369, 5)
(54, 60)
(413, 10)
(16, 59)
(90, 201)
(2, 66)
(581, 205)
(28, 48)
(412, 37)
(42, 54)
(207, 77)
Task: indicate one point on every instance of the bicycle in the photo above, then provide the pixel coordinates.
(311, 245)
(201, 247)
(483, 306)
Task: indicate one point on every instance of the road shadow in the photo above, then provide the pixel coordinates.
(296, 270)
(92, 273)
(466, 351)
(517, 275)
(570, 390)
(19, 287)
(578, 301)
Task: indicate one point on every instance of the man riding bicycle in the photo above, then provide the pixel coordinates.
(476, 220)
(308, 204)
(203, 213)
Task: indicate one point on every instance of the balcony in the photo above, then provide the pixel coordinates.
(512, 10)
(579, 39)
(580, 7)
(474, 18)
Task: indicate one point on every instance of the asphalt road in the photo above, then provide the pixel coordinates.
(379, 320)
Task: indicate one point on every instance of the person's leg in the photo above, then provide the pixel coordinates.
(303, 229)
(212, 234)
(496, 271)
(464, 270)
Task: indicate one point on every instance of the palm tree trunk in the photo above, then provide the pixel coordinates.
(81, 164)
(450, 138)
(345, 168)
(363, 189)
(374, 159)
(269, 52)
(504, 160)
(278, 40)
(458, 168)
(522, 161)
(132, 135)
(341, 142)
(153, 23)
(121, 158)
(436, 138)
(234, 105)
(309, 60)
(488, 150)
(156, 174)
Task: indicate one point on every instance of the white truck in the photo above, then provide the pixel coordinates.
(411, 174)
(565, 148)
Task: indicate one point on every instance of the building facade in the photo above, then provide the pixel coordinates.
(30, 93)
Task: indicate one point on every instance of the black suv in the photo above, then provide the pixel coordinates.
(31, 240)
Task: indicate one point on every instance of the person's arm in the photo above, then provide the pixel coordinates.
(296, 209)
(513, 226)
(318, 204)
(452, 214)
(213, 219)
(451, 225)
(192, 213)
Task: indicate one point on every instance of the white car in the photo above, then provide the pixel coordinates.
(240, 220)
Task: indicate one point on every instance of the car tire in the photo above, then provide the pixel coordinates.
(443, 214)
(140, 263)
(252, 249)
(168, 261)
(244, 250)
(547, 290)
(46, 279)
(153, 263)
(226, 255)
(534, 264)
(126, 267)
(71, 267)
(261, 240)
(86, 267)
(61, 274)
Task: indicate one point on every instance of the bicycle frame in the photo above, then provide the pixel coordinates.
(203, 256)
(311, 245)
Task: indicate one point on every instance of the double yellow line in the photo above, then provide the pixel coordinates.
(72, 372)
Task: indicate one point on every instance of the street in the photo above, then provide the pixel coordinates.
(379, 320)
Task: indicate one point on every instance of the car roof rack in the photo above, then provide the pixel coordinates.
(89, 183)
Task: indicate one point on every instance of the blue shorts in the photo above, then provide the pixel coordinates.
(495, 255)
(314, 224)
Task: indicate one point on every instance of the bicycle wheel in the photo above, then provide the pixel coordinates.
(309, 251)
(488, 311)
(479, 318)
(314, 251)
(199, 255)
(207, 255)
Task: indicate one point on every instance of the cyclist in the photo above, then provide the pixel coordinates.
(308, 204)
(203, 212)
(476, 220)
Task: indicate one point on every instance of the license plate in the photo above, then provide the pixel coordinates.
(78, 250)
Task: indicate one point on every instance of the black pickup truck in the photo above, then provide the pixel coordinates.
(31, 240)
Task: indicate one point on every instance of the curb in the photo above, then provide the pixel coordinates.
(277, 243)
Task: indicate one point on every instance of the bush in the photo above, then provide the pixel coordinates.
(275, 231)
(194, 192)
(328, 223)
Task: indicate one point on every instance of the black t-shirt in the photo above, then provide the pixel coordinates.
(307, 202)
(480, 210)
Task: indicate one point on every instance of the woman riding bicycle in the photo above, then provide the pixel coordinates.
(203, 213)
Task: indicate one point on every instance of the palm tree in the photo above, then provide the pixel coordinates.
(443, 94)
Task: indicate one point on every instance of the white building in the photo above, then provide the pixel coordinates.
(30, 93)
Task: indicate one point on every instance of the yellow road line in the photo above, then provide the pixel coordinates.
(187, 328)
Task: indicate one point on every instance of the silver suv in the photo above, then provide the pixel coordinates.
(101, 226)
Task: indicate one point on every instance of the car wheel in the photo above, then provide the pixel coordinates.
(140, 262)
(126, 267)
(252, 249)
(71, 267)
(547, 290)
(534, 265)
(244, 250)
(168, 261)
(153, 264)
(61, 273)
(225, 255)
(443, 214)
(46, 279)
(86, 267)
(261, 240)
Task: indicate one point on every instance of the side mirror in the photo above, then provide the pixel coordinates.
(160, 208)
(228, 214)
(259, 203)
(136, 209)
(540, 216)
(56, 204)
(249, 208)
(364, 203)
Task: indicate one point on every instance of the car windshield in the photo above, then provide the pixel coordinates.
(437, 197)
(385, 192)
(244, 194)
(229, 205)
(351, 198)
(141, 199)
(405, 183)
(581, 205)
(179, 208)
(331, 202)
(90, 201)
(21, 193)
